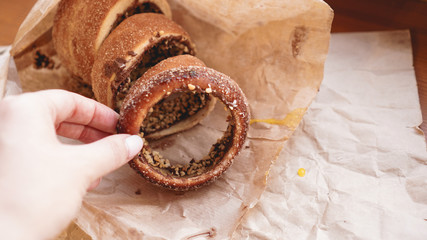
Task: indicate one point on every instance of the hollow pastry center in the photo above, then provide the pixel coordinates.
(165, 48)
(194, 167)
(146, 7)
(173, 109)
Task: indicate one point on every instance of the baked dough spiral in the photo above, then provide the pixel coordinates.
(81, 26)
(137, 44)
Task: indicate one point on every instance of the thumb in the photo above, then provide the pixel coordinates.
(104, 156)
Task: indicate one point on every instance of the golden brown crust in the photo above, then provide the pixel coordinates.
(169, 64)
(80, 26)
(124, 47)
(175, 75)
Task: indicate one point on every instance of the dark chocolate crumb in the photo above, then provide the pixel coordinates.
(132, 53)
(114, 66)
(121, 63)
(43, 61)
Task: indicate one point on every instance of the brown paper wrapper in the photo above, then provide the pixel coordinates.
(274, 49)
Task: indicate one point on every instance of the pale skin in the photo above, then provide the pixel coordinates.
(43, 181)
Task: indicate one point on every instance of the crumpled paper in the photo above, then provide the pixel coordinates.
(9, 80)
(275, 50)
(364, 155)
(4, 64)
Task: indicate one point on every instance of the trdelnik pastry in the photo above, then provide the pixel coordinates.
(145, 70)
(81, 26)
(183, 77)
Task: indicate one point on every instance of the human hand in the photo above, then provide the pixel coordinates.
(43, 181)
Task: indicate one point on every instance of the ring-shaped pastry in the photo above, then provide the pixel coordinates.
(184, 75)
(81, 26)
(138, 43)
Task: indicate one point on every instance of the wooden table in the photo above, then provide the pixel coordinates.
(350, 16)
(12, 13)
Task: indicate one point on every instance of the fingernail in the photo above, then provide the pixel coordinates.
(134, 144)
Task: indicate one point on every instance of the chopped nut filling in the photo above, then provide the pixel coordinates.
(194, 167)
(166, 48)
(146, 7)
(122, 91)
(174, 108)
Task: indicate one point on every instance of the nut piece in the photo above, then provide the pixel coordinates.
(208, 90)
(191, 87)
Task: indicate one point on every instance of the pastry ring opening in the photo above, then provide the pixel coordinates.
(179, 106)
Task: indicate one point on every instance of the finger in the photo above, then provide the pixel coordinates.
(73, 108)
(79, 132)
(25, 113)
(101, 157)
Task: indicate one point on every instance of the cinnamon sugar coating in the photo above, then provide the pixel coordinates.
(80, 27)
(138, 35)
